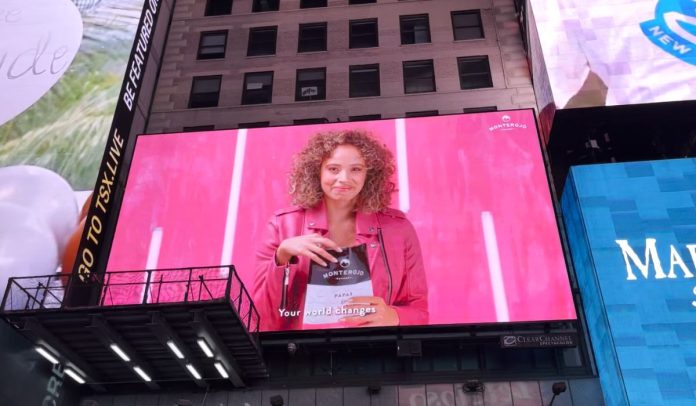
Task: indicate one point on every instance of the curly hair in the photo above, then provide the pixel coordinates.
(305, 177)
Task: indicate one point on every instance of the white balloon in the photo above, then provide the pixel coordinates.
(45, 194)
(39, 40)
(27, 244)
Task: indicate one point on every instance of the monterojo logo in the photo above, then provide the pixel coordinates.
(505, 124)
(674, 28)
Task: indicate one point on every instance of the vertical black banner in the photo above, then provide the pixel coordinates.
(84, 287)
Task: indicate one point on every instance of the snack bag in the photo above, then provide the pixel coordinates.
(330, 287)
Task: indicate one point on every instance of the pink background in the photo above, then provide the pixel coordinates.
(457, 168)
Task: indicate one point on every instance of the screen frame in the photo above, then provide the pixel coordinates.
(381, 333)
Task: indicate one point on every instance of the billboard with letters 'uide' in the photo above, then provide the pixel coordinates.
(632, 232)
(62, 63)
(422, 221)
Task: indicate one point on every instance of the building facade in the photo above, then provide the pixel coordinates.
(254, 63)
(249, 63)
(227, 66)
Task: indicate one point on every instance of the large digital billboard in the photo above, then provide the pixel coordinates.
(632, 233)
(422, 221)
(603, 53)
(62, 63)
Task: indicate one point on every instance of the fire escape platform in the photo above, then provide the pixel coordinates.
(177, 312)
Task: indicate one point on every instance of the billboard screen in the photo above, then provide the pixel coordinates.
(603, 53)
(439, 220)
(62, 63)
(632, 232)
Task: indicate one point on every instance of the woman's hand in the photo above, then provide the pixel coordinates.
(311, 246)
(380, 313)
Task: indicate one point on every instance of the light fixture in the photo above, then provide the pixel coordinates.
(206, 349)
(172, 346)
(193, 371)
(473, 385)
(292, 348)
(221, 370)
(50, 357)
(115, 348)
(557, 388)
(74, 375)
(142, 374)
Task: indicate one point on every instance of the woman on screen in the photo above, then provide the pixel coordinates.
(341, 257)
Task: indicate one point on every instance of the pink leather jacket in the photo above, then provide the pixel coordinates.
(407, 292)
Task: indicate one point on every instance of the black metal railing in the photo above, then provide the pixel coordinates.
(155, 286)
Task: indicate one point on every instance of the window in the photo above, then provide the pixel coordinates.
(361, 1)
(467, 25)
(199, 128)
(312, 3)
(258, 88)
(205, 91)
(257, 124)
(262, 41)
(265, 5)
(474, 72)
(363, 33)
(305, 121)
(366, 117)
(415, 29)
(427, 113)
(312, 37)
(212, 45)
(480, 109)
(419, 76)
(218, 7)
(364, 80)
(310, 84)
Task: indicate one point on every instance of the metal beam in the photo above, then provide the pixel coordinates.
(107, 335)
(164, 333)
(205, 330)
(41, 336)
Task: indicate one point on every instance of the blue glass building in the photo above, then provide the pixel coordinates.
(632, 232)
